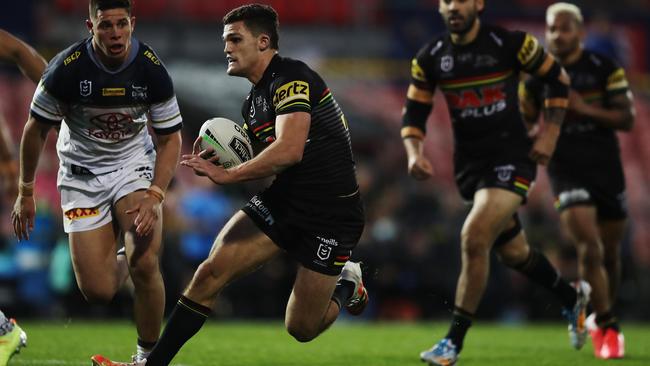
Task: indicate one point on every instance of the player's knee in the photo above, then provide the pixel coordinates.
(97, 294)
(301, 333)
(592, 254)
(474, 245)
(145, 268)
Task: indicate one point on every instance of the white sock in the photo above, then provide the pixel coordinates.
(141, 352)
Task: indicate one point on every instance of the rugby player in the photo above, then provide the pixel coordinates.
(15, 51)
(477, 68)
(586, 171)
(100, 92)
(312, 210)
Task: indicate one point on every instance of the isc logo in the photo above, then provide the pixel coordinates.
(71, 58)
(150, 55)
(290, 91)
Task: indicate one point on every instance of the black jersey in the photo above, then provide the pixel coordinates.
(105, 112)
(479, 81)
(583, 141)
(327, 167)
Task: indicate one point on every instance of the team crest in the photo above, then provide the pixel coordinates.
(446, 63)
(324, 252)
(85, 88)
(504, 172)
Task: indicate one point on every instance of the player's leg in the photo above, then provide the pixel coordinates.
(580, 222)
(143, 260)
(94, 262)
(311, 309)
(612, 232)
(513, 250)
(240, 248)
(492, 211)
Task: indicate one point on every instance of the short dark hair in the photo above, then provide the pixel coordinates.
(95, 5)
(258, 19)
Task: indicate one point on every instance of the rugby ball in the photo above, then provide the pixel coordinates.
(229, 141)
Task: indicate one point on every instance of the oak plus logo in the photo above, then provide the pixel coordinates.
(478, 102)
(112, 127)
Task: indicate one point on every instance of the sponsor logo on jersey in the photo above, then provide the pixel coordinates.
(71, 58)
(139, 92)
(112, 127)
(481, 102)
(294, 92)
(85, 88)
(416, 71)
(528, 50)
(151, 56)
(113, 92)
(446, 63)
(81, 213)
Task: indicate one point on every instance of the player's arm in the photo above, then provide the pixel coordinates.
(528, 102)
(620, 112)
(418, 106)
(168, 154)
(291, 131)
(31, 146)
(537, 62)
(30, 62)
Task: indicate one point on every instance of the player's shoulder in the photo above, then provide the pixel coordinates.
(500, 36)
(599, 61)
(287, 67)
(433, 46)
(149, 58)
(69, 58)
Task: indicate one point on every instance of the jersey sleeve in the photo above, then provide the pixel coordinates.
(293, 91)
(49, 103)
(616, 82)
(165, 115)
(530, 52)
(419, 64)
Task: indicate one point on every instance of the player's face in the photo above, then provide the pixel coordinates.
(111, 30)
(241, 48)
(563, 34)
(460, 15)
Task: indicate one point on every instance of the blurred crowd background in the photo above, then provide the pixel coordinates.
(362, 48)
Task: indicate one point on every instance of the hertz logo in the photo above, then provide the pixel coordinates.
(289, 92)
(528, 49)
(113, 92)
(71, 58)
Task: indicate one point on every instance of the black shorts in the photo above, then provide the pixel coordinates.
(603, 187)
(512, 174)
(320, 234)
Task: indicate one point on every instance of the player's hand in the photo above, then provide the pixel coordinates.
(206, 168)
(148, 211)
(576, 103)
(22, 216)
(208, 154)
(543, 148)
(420, 167)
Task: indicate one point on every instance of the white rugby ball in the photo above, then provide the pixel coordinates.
(229, 141)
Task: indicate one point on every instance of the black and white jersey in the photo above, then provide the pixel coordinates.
(105, 112)
(583, 141)
(327, 168)
(479, 81)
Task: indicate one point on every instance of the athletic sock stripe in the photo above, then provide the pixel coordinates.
(195, 307)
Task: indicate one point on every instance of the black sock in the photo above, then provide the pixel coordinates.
(607, 320)
(343, 292)
(186, 320)
(539, 270)
(460, 324)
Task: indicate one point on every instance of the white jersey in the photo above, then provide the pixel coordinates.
(104, 113)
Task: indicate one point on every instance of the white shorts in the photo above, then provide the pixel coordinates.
(87, 200)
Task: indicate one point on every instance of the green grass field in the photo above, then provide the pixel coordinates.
(375, 344)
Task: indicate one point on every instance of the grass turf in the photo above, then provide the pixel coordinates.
(376, 344)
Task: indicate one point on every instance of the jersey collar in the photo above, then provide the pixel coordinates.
(133, 52)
